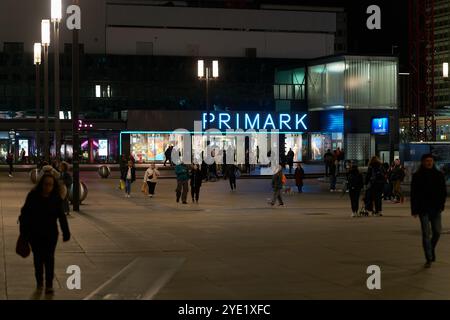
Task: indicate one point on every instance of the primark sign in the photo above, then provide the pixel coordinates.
(283, 122)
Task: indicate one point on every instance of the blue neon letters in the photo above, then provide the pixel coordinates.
(256, 121)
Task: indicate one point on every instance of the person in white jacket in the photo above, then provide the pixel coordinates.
(151, 177)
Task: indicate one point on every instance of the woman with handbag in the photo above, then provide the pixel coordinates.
(151, 178)
(38, 226)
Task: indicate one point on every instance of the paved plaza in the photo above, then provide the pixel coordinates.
(232, 245)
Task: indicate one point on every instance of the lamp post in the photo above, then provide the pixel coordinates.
(75, 108)
(37, 63)
(45, 33)
(205, 74)
(56, 16)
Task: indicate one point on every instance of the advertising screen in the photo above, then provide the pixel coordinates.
(103, 148)
(380, 126)
(23, 144)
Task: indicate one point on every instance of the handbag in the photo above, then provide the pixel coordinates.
(122, 184)
(144, 188)
(22, 247)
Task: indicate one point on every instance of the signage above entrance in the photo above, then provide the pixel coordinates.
(284, 122)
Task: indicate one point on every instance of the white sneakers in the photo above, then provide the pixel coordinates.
(354, 215)
(127, 195)
(10, 175)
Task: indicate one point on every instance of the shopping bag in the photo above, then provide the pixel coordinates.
(144, 188)
(23, 247)
(122, 185)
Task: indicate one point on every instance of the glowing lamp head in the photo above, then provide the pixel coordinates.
(201, 68)
(37, 53)
(215, 67)
(45, 32)
(56, 10)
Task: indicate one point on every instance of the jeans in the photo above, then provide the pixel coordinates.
(232, 183)
(11, 168)
(195, 193)
(128, 186)
(44, 258)
(431, 225)
(151, 187)
(354, 199)
(300, 188)
(182, 190)
(277, 195)
(333, 180)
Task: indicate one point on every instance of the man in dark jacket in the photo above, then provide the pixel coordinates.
(428, 196)
(328, 159)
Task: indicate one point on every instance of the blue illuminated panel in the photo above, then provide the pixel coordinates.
(380, 126)
(332, 121)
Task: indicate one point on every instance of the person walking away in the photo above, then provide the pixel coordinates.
(299, 176)
(388, 186)
(277, 186)
(428, 196)
(168, 155)
(355, 183)
(290, 159)
(123, 171)
(22, 156)
(397, 177)
(129, 176)
(38, 225)
(10, 162)
(340, 159)
(231, 172)
(67, 181)
(196, 183)
(333, 176)
(151, 178)
(375, 180)
(328, 159)
(182, 173)
(204, 170)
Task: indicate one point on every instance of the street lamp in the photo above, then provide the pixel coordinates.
(45, 34)
(56, 15)
(445, 70)
(37, 63)
(205, 74)
(75, 109)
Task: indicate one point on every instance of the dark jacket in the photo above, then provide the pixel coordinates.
(125, 172)
(38, 218)
(355, 181)
(376, 177)
(9, 159)
(428, 192)
(196, 178)
(299, 175)
(231, 171)
(66, 178)
(290, 157)
(277, 183)
(182, 172)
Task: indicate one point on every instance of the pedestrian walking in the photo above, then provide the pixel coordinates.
(168, 155)
(151, 178)
(290, 160)
(375, 180)
(299, 176)
(129, 176)
(278, 180)
(182, 190)
(232, 172)
(38, 226)
(355, 183)
(333, 176)
(388, 186)
(22, 156)
(397, 176)
(328, 159)
(428, 196)
(196, 182)
(66, 180)
(10, 162)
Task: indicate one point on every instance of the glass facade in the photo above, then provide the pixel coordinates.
(353, 83)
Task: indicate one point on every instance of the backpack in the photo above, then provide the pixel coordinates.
(377, 176)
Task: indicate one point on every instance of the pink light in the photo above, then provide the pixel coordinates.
(85, 125)
(90, 125)
(84, 144)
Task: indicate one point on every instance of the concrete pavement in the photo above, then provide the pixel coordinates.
(232, 245)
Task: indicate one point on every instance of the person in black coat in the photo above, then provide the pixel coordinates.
(196, 182)
(375, 180)
(231, 173)
(38, 225)
(355, 183)
(428, 196)
(129, 176)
